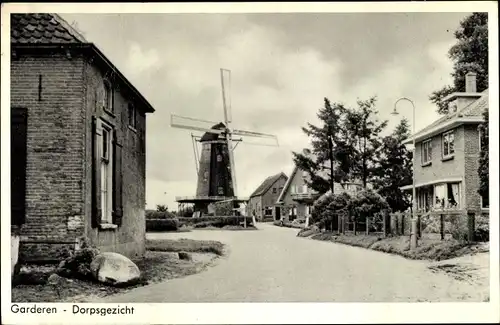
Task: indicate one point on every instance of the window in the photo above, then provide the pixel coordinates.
(304, 174)
(106, 174)
(447, 196)
(219, 158)
(299, 189)
(268, 211)
(132, 116)
(220, 190)
(108, 97)
(281, 189)
(292, 189)
(448, 144)
(274, 190)
(426, 151)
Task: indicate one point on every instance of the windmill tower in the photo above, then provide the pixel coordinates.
(216, 167)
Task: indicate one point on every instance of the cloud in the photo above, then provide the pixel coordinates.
(283, 65)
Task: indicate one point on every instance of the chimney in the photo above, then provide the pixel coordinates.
(470, 82)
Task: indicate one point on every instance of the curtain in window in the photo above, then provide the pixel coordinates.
(455, 190)
(440, 196)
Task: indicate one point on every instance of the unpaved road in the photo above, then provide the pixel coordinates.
(273, 265)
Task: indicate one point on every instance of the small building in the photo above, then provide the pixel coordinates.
(78, 151)
(262, 202)
(297, 198)
(447, 154)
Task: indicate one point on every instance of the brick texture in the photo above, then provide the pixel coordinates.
(54, 172)
(59, 157)
(463, 166)
(129, 238)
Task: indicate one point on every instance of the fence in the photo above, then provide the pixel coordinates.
(458, 224)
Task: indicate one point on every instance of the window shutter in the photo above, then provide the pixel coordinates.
(18, 155)
(117, 181)
(96, 173)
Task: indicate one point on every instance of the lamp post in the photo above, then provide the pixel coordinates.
(414, 197)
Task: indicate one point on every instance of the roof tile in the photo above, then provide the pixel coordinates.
(39, 29)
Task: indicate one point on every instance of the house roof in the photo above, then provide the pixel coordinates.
(267, 183)
(35, 30)
(287, 184)
(42, 29)
(471, 113)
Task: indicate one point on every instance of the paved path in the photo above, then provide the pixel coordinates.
(273, 265)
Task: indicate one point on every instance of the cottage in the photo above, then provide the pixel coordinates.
(447, 154)
(78, 144)
(262, 202)
(297, 198)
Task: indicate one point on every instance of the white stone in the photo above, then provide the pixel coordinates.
(14, 252)
(113, 268)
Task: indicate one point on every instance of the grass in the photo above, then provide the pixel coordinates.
(186, 245)
(155, 267)
(427, 249)
(160, 263)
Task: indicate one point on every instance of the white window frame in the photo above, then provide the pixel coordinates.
(106, 168)
(426, 156)
(444, 137)
(292, 189)
(268, 209)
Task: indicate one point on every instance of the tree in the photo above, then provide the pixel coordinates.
(394, 169)
(327, 162)
(161, 208)
(362, 134)
(469, 54)
(484, 166)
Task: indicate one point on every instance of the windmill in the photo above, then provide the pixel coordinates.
(215, 164)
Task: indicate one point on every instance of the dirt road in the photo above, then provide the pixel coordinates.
(273, 265)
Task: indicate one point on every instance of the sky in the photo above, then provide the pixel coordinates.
(282, 66)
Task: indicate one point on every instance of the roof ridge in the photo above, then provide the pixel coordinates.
(71, 30)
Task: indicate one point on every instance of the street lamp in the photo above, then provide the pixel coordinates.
(414, 198)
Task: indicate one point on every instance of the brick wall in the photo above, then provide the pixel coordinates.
(50, 87)
(471, 160)
(129, 238)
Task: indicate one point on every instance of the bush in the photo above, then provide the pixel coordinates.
(482, 233)
(171, 224)
(366, 203)
(78, 264)
(327, 205)
(152, 214)
(218, 221)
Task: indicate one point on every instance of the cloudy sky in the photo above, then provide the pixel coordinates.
(283, 65)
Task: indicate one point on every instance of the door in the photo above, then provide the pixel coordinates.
(18, 158)
(277, 213)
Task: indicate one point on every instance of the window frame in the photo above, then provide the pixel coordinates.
(445, 136)
(132, 116)
(426, 159)
(109, 97)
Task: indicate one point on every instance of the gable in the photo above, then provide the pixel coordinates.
(267, 184)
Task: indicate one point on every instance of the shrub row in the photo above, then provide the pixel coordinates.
(153, 214)
(173, 224)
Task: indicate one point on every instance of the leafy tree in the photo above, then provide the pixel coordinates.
(366, 203)
(362, 133)
(161, 208)
(470, 53)
(394, 169)
(484, 166)
(326, 163)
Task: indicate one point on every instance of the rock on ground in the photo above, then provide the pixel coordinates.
(185, 256)
(114, 269)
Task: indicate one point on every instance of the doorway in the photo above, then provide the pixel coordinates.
(277, 213)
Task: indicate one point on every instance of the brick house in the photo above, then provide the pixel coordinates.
(297, 198)
(78, 144)
(262, 202)
(447, 154)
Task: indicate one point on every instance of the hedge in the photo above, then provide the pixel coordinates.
(215, 221)
(171, 224)
(153, 214)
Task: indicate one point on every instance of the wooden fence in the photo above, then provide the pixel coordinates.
(458, 224)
